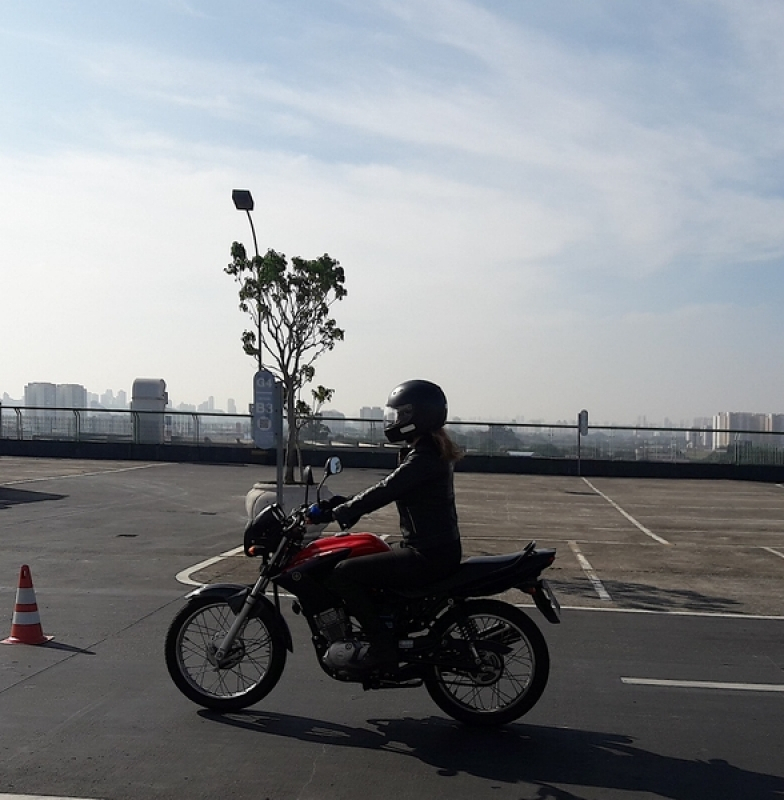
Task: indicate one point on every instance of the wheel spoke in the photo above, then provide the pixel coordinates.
(505, 678)
(248, 659)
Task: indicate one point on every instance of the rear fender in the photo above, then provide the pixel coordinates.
(234, 594)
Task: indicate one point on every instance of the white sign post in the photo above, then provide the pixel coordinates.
(268, 418)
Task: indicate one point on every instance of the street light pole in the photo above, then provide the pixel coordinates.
(243, 201)
(264, 382)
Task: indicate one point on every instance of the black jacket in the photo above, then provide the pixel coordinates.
(423, 489)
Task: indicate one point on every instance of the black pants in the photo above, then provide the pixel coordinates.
(401, 567)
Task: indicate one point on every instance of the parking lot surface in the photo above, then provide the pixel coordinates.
(635, 544)
(666, 679)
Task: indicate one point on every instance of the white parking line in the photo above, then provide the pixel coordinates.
(628, 516)
(77, 475)
(38, 797)
(677, 612)
(589, 572)
(185, 575)
(743, 687)
(774, 551)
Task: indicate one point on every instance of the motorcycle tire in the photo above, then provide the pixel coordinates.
(515, 664)
(251, 668)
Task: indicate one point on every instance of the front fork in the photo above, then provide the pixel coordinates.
(259, 588)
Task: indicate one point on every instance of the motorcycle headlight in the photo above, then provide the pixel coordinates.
(264, 532)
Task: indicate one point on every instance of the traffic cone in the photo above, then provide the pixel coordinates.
(26, 625)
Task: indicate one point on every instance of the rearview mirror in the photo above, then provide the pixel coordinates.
(307, 476)
(333, 466)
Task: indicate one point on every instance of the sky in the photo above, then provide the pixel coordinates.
(542, 207)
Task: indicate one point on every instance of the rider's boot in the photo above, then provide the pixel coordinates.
(382, 653)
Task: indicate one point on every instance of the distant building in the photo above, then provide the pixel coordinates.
(740, 426)
(71, 395)
(373, 415)
(775, 423)
(336, 426)
(40, 395)
(149, 398)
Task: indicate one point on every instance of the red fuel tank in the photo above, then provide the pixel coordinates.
(361, 544)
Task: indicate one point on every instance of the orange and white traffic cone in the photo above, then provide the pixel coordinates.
(26, 626)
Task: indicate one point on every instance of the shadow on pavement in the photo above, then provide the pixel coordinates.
(644, 596)
(544, 759)
(15, 497)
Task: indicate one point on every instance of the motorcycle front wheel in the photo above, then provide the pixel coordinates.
(249, 670)
(513, 667)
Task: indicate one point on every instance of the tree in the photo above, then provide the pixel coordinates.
(307, 417)
(290, 306)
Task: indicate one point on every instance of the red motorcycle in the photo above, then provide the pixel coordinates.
(483, 661)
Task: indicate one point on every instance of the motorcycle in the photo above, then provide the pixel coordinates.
(484, 662)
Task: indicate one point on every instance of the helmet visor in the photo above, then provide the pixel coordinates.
(398, 421)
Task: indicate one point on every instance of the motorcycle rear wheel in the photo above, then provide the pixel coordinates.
(514, 668)
(250, 670)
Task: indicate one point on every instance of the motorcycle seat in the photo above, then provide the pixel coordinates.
(470, 571)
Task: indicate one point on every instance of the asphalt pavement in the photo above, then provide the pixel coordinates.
(667, 676)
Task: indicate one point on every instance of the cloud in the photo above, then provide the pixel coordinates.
(542, 207)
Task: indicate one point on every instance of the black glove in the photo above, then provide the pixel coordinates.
(320, 513)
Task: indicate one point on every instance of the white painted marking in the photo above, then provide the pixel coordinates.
(656, 612)
(185, 575)
(674, 613)
(38, 797)
(589, 572)
(82, 475)
(774, 551)
(743, 687)
(628, 516)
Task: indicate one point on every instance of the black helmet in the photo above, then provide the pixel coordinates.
(419, 407)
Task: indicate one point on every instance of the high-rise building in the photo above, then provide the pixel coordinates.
(71, 395)
(40, 395)
(738, 426)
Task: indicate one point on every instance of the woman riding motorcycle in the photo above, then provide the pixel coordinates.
(422, 486)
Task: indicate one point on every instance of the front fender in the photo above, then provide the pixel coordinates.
(235, 593)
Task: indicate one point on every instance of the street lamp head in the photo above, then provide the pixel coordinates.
(243, 200)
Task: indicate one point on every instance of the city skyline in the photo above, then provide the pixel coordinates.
(759, 420)
(540, 207)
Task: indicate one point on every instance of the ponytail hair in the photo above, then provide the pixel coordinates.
(446, 447)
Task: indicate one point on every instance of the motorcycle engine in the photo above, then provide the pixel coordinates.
(333, 624)
(345, 654)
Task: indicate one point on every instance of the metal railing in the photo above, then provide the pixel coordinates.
(523, 440)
